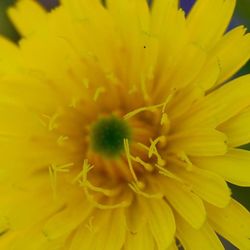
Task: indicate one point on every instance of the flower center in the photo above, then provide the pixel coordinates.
(108, 134)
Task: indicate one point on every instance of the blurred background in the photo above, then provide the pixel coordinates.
(241, 16)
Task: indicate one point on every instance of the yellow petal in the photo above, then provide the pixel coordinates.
(136, 218)
(6, 240)
(22, 218)
(203, 142)
(173, 46)
(232, 52)
(233, 223)
(208, 75)
(173, 247)
(186, 203)
(160, 10)
(234, 166)
(104, 231)
(220, 105)
(27, 15)
(9, 57)
(205, 238)
(11, 91)
(183, 100)
(165, 14)
(113, 235)
(39, 240)
(206, 29)
(237, 129)
(4, 224)
(186, 70)
(209, 186)
(67, 220)
(132, 22)
(141, 240)
(22, 241)
(180, 73)
(10, 113)
(161, 222)
(220, 66)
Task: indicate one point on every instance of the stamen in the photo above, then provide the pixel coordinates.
(89, 225)
(137, 190)
(164, 119)
(91, 199)
(52, 122)
(146, 148)
(88, 186)
(44, 120)
(132, 90)
(106, 192)
(154, 151)
(146, 165)
(61, 140)
(168, 99)
(140, 110)
(165, 123)
(83, 174)
(182, 162)
(112, 78)
(151, 108)
(184, 157)
(82, 178)
(127, 152)
(63, 168)
(85, 82)
(73, 103)
(99, 91)
(53, 170)
(167, 173)
(160, 139)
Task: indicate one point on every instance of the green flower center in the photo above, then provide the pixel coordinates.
(108, 134)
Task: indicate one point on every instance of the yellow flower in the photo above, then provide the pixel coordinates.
(117, 131)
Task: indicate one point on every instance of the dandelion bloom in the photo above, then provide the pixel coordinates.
(117, 130)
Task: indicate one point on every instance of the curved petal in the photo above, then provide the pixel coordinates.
(205, 29)
(232, 222)
(220, 105)
(198, 142)
(141, 240)
(186, 203)
(161, 222)
(205, 238)
(67, 220)
(237, 129)
(231, 53)
(106, 226)
(208, 185)
(27, 15)
(234, 166)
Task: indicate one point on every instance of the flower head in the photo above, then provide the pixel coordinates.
(117, 130)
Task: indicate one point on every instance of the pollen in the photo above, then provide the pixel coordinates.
(108, 134)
